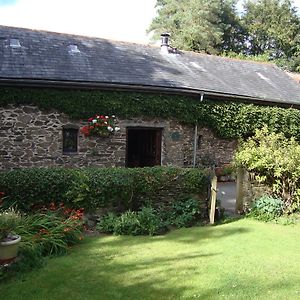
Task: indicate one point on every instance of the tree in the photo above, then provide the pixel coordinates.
(233, 31)
(267, 28)
(273, 27)
(199, 25)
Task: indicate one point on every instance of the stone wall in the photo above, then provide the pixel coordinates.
(213, 150)
(249, 190)
(33, 138)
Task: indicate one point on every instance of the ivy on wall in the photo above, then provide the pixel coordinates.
(226, 119)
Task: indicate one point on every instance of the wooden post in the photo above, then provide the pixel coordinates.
(213, 199)
(239, 191)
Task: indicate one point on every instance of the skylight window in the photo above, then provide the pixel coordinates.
(73, 49)
(14, 43)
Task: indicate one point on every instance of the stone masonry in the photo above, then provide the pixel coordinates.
(33, 138)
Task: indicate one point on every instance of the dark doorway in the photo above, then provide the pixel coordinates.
(143, 147)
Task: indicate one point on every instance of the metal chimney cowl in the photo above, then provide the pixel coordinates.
(165, 37)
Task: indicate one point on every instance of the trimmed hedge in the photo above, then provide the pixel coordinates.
(230, 119)
(92, 188)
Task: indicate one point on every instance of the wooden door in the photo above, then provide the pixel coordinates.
(143, 147)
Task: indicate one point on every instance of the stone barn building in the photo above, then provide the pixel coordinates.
(51, 83)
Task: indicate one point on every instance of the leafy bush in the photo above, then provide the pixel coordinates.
(267, 208)
(127, 224)
(25, 188)
(143, 222)
(119, 189)
(184, 213)
(150, 221)
(275, 161)
(107, 223)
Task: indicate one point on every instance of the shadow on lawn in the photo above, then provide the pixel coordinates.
(152, 278)
(157, 274)
(245, 287)
(161, 277)
(185, 235)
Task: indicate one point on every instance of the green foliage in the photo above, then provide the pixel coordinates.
(275, 161)
(9, 221)
(127, 224)
(242, 259)
(227, 120)
(107, 223)
(143, 222)
(199, 25)
(266, 28)
(272, 26)
(50, 231)
(114, 188)
(43, 233)
(150, 221)
(184, 213)
(267, 208)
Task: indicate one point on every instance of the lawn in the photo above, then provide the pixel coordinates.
(244, 259)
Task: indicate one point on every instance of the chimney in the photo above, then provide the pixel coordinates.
(164, 48)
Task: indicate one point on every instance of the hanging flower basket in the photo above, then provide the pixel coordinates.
(98, 125)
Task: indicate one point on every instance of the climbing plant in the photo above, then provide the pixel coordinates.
(227, 119)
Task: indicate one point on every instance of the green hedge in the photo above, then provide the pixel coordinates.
(226, 119)
(118, 188)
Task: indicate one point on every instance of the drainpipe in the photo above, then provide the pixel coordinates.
(195, 145)
(196, 136)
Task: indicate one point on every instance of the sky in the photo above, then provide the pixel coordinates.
(125, 20)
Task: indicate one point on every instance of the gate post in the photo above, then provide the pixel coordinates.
(239, 205)
(213, 199)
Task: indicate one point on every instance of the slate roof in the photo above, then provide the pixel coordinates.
(295, 76)
(48, 57)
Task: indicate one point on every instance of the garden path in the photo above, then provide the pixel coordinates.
(227, 195)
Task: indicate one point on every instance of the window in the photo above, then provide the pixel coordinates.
(70, 139)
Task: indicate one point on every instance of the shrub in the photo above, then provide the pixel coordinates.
(107, 223)
(275, 161)
(150, 221)
(184, 213)
(127, 224)
(30, 187)
(143, 222)
(118, 189)
(267, 208)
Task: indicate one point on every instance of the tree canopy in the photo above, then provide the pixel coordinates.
(266, 28)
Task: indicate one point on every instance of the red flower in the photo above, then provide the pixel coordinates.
(85, 130)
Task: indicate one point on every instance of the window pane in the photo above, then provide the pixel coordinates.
(70, 139)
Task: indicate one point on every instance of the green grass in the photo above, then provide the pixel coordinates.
(244, 259)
